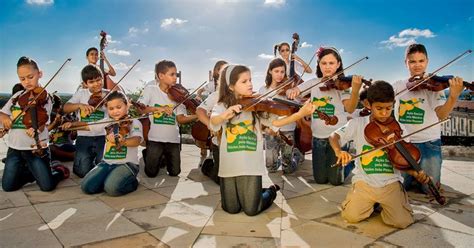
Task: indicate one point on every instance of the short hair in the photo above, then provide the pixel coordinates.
(380, 91)
(116, 95)
(163, 66)
(90, 72)
(27, 61)
(90, 50)
(416, 48)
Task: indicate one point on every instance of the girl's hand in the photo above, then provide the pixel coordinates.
(231, 112)
(308, 108)
(343, 158)
(30, 132)
(356, 82)
(293, 93)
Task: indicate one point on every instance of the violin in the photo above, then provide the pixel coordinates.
(108, 83)
(402, 155)
(145, 121)
(95, 99)
(434, 83)
(342, 83)
(122, 129)
(180, 94)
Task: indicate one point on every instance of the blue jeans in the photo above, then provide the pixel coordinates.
(430, 163)
(323, 158)
(114, 179)
(22, 167)
(89, 152)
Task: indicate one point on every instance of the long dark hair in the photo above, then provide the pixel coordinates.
(324, 52)
(215, 71)
(274, 64)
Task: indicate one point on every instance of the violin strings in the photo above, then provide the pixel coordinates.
(190, 95)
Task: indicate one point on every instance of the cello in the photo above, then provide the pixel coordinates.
(108, 83)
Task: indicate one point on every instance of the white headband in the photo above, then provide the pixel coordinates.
(228, 71)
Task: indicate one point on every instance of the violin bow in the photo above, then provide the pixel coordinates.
(394, 142)
(462, 55)
(41, 92)
(115, 86)
(190, 95)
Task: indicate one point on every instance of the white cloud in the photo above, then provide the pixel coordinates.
(341, 50)
(109, 39)
(119, 52)
(134, 44)
(169, 23)
(306, 44)
(274, 3)
(407, 37)
(265, 56)
(121, 66)
(133, 31)
(50, 61)
(40, 2)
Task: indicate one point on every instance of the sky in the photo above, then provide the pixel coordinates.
(195, 34)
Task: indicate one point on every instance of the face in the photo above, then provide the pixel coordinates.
(29, 76)
(93, 57)
(416, 63)
(243, 86)
(329, 65)
(277, 73)
(168, 78)
(117, 109)
(94, 85)
(381, 111)
(284, 51)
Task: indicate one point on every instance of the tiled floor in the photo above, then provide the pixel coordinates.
(185, 211)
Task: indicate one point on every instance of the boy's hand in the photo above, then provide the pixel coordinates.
(356, 82)
(86, 109)
(6, 121)
(111, 138)
(165, 109)
(66, 125)
(293, 93)
(456, 87)
(231, 112)
(30, 132)
(420, 176)
(307, 109)
(343, 158)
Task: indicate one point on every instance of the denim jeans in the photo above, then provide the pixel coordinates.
(22, 167)
(89, 152)
(114, 179)
(430, 163)
(323, 158)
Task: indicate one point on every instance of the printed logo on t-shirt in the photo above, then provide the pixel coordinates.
(375, 162)
(323, 104)
(410, 111)
(96, 116)
(241, 137)
(19, 122)
(162, 118)
(59, 138)
(111, 151)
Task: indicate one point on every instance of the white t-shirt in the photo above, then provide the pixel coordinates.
(241, 145)
(126, 154)
(17, 137)
(329, 102)
(374, 168)
(83, 96)
(416, 109)
(286, 128)
(208, 105)
(209, 88)
(163, 128)
(298, 67)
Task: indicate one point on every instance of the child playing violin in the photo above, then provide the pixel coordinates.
(117, 173)
(375, 178)
(89, 144)
(419, 108)
(241, 163)
(26, 160)
(62, 145)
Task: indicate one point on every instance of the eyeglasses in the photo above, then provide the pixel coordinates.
(284, 50)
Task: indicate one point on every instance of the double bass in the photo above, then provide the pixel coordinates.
(108, 83)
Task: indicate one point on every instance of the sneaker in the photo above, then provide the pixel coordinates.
(63, 169)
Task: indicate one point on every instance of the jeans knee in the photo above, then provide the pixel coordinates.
(47, 187)
(9, 187)
(231, 210)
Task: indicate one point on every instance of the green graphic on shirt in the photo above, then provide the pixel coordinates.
(323, 104)
(375, 162)
(111, 152)
(241, 137)
(410, 111)
(19, 122)
(162, 118)
(59, 138)
(96, 116)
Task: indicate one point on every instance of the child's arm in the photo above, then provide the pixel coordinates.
(456, 87)
(343, 157)
(307, 109)
(6, 121)
(77, 125)
(420, 176)
(351, 103)
(111, 71)
(71, 107)
(163, 109)
(228, 114)
(183, 119)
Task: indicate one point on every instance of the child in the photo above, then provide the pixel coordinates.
(117, 173)
(375, 180)
(22, 164)
(332, 102)
(284, 52)
(163, 137)
(290, 156)
(241, 144)
(89, 144)
(419, 108)
(203, 112)
(62, 147)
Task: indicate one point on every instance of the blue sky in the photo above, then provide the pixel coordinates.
(195, 34)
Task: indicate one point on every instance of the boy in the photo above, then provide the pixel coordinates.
(163, 137)
(375, 180)
(419, 108)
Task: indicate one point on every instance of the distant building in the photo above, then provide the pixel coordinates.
(461, 124)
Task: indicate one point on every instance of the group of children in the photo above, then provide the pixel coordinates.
(245, 144)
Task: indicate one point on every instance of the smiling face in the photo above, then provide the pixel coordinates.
(117, 108)
(93, 57)
(29, 76)
(94, 85)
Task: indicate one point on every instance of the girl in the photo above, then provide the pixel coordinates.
(331, 102)
(284, 52)
(290, 155)
(117, 173)
(241, 147)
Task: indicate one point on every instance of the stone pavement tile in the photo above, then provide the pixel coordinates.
(452, 218)
(290, 221)
(310, 206)
(162, 181)
(13, 218)
(195, 175)
(272, 178)
(335, 194)
(61, 194)
(380, 244)
(313, 234)
(373, 227)
(135, 240)
(430, 201)
(65, 183)
(421, 235)
(206, 241)
(13, 199)
(298, 186)
(137, 199)
(204, 204)
(463, 168)
(184, 191)
(28, 236)
(180, 235)
(163, 215)
(456, 182)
